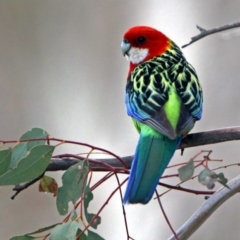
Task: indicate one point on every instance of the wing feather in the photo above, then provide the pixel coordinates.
(148, 90)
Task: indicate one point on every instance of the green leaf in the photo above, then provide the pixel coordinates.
(94, 236)
(207, 178)
(65, 231)
(222, 180)
(186, 172)
(74, 181)
(22, 238)
(203, 175)
(5, 159)
(88, 197)
(44, 229)
(48, 184)
(33, 134)
(30, 167)
(83, 236)
(18, 152)
(95, 222)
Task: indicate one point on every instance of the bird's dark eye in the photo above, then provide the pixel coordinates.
(141, 39)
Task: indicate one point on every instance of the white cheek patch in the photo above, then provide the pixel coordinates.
(137, 55)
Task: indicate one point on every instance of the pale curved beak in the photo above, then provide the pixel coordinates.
(125, 46)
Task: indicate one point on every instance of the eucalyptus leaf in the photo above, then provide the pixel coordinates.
(88, 197)
(222, 180)
(5, 159)
(48, 185)
(18, 152)
(74, 181)
(186, 172)
(44, 229)
(30, 167)
(203, 176)
(34, 133)
(94, 236)
(24, 237)
(83, 236)
(65, 231)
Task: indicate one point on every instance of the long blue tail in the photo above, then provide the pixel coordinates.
(150, 160)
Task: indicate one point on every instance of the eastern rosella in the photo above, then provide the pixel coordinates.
(164, 98)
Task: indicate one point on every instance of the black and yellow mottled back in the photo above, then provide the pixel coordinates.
(149, 87)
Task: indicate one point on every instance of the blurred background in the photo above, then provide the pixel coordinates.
(61, 69)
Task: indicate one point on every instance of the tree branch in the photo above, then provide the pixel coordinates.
(19, 188)
(203, 32)
(191, 140)
(206, 210)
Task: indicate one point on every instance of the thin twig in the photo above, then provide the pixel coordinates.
(203, 32)
(102, 207)
(165, 215)
(19, 188)
(179, 188)
(123, 208)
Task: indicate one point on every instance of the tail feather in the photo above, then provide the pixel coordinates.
(150, 160)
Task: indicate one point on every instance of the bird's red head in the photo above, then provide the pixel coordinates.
(142, 43)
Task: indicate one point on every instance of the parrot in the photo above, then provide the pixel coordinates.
(164, 99)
